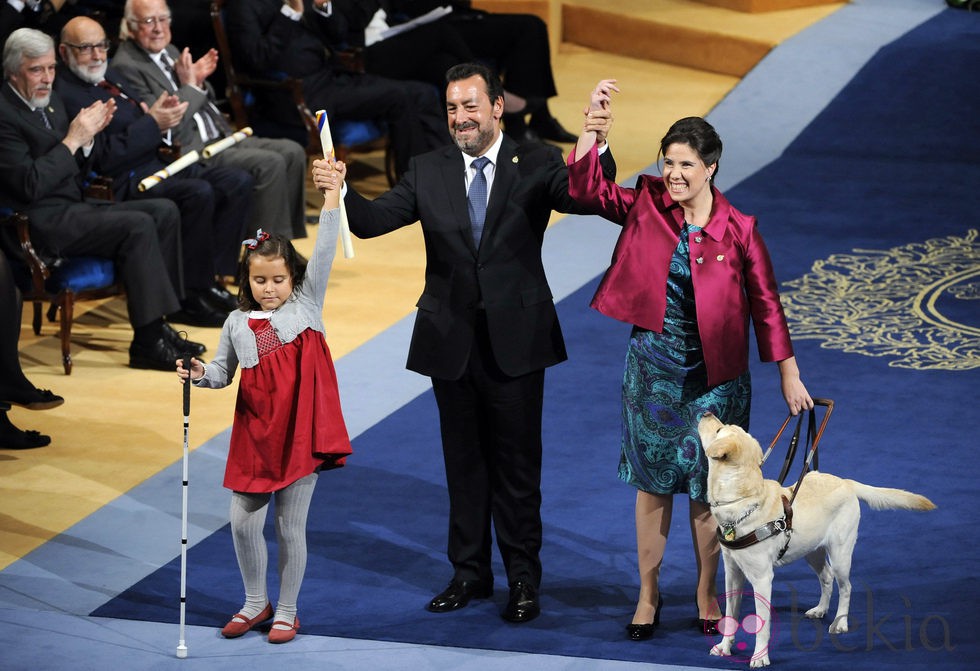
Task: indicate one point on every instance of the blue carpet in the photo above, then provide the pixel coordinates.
(885, 176)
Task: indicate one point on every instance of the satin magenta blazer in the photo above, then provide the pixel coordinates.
(730, 267)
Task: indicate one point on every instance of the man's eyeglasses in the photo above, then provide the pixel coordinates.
(87, 48)
(152, 21)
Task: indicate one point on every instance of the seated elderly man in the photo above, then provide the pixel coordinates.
(214, 201)
(45, 156)
(152, 66)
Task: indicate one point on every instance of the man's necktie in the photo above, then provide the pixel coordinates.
(44, 117)
(477, 198)
(168, 67)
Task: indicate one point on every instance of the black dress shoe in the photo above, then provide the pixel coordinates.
(197, 311)
(180, 342)
(221, 299)
(458, 594)
(523, 604)
(707, 627)
(548, 128)
(642, 632)
(12, 438)
(160, 355)
(32, 399)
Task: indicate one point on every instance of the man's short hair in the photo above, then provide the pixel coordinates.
(495, 89)
(24, 43)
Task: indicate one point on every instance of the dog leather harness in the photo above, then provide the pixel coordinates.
(783, 525)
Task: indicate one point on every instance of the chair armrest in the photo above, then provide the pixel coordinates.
(98, 187)
(168, 153)
(19, 222)
(351, 59)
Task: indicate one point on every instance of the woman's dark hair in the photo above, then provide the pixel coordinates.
(269, 246)
(698, 134)
(495, 89)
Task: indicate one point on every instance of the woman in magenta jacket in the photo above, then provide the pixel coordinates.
(688, 272)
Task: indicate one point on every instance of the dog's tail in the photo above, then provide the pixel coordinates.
(886, 498)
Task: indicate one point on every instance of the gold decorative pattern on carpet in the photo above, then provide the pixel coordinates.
(894, 303)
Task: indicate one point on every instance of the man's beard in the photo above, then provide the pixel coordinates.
(41, 101)
(476, 143)
(85, 73)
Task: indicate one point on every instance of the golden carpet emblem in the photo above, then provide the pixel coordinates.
(918, 304)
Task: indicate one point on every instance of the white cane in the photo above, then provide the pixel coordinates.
(181, 645)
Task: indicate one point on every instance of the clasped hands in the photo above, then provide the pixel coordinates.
(598, 114)
(328, 178)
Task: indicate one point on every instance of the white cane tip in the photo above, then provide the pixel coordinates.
(181, 651)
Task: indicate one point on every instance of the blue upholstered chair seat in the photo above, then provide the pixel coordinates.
(81, 273)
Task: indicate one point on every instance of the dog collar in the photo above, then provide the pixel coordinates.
(727, 531)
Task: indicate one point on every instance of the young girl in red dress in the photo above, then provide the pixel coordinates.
(288, 424)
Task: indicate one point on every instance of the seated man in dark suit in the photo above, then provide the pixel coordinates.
(515, 45)
(45, 157)
(214, 201)
(295, 37)
(152, 65)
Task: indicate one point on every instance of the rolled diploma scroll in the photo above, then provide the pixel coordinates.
(326, 141)
(190, 158)
(224, 143)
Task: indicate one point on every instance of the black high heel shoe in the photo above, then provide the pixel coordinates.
(641, 632)
(704, 625)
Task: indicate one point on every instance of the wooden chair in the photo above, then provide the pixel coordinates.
(62, 282)
(348, 136)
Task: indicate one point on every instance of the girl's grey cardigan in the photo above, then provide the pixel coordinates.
(303, 310)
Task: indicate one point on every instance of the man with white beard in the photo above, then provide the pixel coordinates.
(45, 154)
(214, 201)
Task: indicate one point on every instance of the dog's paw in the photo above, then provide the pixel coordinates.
(815, 613)
(723, 649)
(839, 625)
(757, 662)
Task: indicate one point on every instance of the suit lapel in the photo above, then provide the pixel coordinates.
(28, 116)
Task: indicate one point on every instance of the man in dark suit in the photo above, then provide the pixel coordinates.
(45, 157)
(152, 65)
(486, 328)
(296, 37)
(214, 201)
(515, 45)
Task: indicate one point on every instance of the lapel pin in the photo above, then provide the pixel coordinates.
(514, 160)
(697, 239)
(720, 257)
(699, 259)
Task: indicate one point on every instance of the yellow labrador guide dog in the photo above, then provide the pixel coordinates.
(759, 530)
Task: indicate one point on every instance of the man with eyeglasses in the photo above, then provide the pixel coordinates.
(152, 66)
(214, 201)
(45, 156)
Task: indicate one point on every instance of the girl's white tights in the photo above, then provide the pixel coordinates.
(248, 513)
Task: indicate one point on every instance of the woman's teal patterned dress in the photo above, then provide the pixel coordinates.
(665, 393)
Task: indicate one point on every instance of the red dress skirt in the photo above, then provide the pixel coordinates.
(288, 421)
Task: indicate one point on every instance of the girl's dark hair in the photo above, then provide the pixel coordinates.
(495, 89)
(697, 133)
(270, 247)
